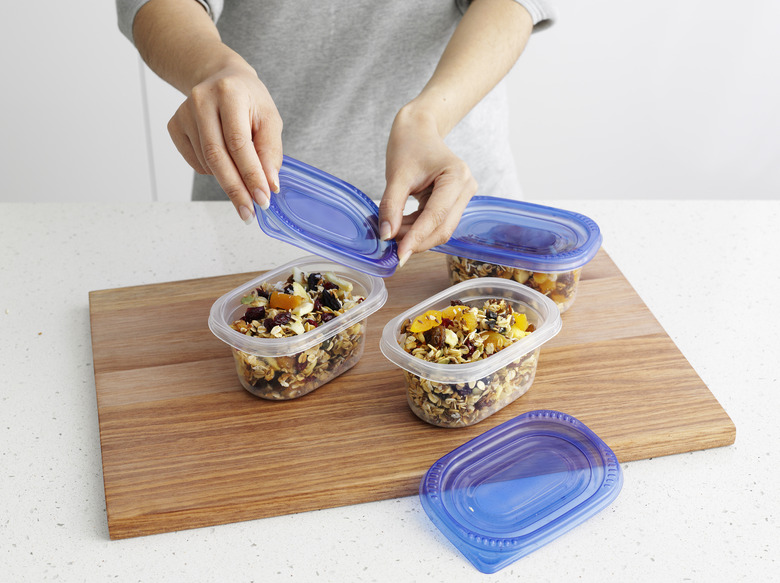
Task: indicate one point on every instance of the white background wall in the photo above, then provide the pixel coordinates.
(618, 100)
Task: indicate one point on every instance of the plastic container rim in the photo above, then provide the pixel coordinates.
(375, 298)
(550, 324)
(570, 260)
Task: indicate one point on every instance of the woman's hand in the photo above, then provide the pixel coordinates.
(486, 43)
(419, 164)
(229, 127)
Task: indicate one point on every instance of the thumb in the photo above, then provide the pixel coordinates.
(391, 207)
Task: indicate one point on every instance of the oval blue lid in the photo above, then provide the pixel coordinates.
(522, 234)
(328, 217)
(518, 486)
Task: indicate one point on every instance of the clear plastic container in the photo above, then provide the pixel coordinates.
(542, 247)
(293, 366)
(560, 286)
(460, 395)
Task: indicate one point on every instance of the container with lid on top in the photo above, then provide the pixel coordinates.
(471, 349)
(297, 327)
(541, 247)
(519, 486)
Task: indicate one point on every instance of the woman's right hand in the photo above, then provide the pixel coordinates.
(229, 127)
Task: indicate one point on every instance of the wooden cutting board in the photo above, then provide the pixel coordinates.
(185, 446)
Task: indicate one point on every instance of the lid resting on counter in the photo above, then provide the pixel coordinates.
(329, 217)
(525, 235)
(518, 486)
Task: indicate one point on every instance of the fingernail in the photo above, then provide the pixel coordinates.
(275, 182)
(384, 231)
(262, 199)
(403, 258)
(246, 214)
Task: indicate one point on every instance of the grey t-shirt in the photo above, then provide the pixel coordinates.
(340, 71)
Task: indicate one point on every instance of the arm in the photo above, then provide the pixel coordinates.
(485, 45)
(228, 125)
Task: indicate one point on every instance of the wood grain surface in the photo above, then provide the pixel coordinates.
(185, 446)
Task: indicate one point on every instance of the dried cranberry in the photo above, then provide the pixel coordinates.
(317, 305)
(329, 300)
(446, 322)
(456, 303)
(327, 316)
(254, 313)
(312, 322)
(268, 323)
(288, 288)
(282, 318)
(328, 285)
(261, 293)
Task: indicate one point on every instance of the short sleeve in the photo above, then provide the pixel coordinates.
(127, 9)
(542, 11)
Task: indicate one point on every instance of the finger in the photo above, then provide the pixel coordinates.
(406, 224)
(177, 129)
(268, 147)
(187, 151)
(214, 152)
(438, 219)
(443, 232)
(237, 133)
(218, 161)
(391, 207)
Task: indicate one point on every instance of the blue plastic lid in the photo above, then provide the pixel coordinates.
(328, 217)
(525, 235)
(518, 486)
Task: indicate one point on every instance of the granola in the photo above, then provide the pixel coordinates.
(461, 334)
(561, 287)
(299, 305)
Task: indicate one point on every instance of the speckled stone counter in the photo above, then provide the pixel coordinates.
(708, 271)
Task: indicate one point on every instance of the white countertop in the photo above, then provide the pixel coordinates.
(708, 270)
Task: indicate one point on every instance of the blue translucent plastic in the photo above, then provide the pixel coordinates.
(328, 217)
(518, 486)
(524, 235)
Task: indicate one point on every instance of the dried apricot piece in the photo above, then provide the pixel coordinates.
(520, 326)
(284, 301)
(497, 340)
(546, 286)
(426, 321)
(451, 312)
(469, 320)
(521, 321)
